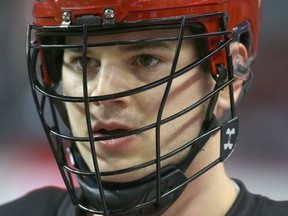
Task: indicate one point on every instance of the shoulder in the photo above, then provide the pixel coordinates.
(44, 202)
(253, 204)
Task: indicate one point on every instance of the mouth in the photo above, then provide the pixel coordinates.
(106, 132)
(118, 139)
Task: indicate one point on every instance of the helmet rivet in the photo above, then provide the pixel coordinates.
(66, 16)
(109, 13)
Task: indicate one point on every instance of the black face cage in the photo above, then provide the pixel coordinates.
(153, 194)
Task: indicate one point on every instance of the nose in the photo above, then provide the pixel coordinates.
(111, 79)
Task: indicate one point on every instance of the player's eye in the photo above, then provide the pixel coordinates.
(91, 63)
(147, 60)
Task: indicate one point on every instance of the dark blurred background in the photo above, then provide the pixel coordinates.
(261, 156)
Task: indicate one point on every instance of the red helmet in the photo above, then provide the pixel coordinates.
(110, 13)
(215, 23)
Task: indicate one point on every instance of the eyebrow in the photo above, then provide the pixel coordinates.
(146, 45)
(132, 47)
(76, 51)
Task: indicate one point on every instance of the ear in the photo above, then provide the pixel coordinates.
(239, 56)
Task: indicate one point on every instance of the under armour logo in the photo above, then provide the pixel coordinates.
(229, 136)
(229, 132)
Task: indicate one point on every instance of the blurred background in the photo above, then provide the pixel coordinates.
(261, 155)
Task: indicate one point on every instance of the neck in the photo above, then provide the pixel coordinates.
(206, 195)
(212, 193)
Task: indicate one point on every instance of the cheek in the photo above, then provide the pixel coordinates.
(185, 92)
(73, 87)
(72, 83)
(77, 119)
(147, 104)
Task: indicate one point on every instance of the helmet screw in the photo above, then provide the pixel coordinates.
(109, 13)
(66, 16)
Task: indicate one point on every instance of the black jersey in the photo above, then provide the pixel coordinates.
(56, 202)
(248, 204)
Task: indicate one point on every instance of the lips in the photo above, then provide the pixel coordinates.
(103, 130)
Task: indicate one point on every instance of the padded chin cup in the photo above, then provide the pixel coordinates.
(140, 193)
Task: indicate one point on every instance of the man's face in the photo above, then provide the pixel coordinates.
(113, 69)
